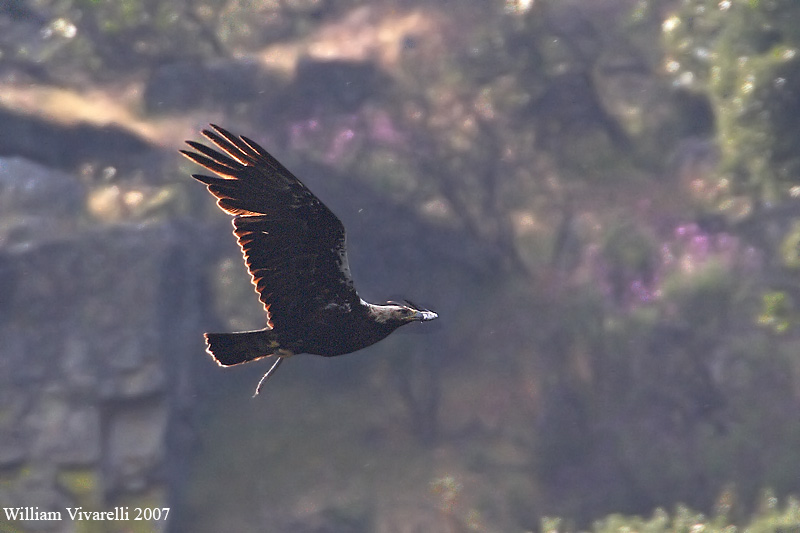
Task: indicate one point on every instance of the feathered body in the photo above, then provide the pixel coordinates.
(294, 248)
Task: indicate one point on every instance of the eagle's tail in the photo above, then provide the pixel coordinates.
(229, 349)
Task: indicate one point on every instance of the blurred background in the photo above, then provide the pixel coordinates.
(598, 198)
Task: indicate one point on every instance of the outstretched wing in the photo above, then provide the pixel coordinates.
(293, 245)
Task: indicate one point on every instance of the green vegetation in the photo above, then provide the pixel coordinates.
(771, 517)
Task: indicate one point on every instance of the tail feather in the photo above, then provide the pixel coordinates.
(230, 349)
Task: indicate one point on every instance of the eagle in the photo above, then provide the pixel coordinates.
(295, 251)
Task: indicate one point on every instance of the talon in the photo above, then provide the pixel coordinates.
(266, 376)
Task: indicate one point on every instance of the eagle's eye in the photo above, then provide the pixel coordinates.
(405, 312)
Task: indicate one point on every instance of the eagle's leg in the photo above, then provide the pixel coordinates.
(266, 376)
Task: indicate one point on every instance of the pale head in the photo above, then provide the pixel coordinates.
(400, 312)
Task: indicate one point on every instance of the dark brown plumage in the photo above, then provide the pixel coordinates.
(294, 248)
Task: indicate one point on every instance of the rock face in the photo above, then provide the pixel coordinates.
(97, 327)
(71, 146)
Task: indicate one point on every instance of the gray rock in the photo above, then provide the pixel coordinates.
(94, 321)
(61, 431)
(36, 203)
(135, 446)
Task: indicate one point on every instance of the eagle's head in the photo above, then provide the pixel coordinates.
(401, 313)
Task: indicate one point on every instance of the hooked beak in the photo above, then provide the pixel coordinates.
(425, 315)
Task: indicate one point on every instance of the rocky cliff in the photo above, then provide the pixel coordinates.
(98, 325)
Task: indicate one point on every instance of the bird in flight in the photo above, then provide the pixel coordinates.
(294, 248)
